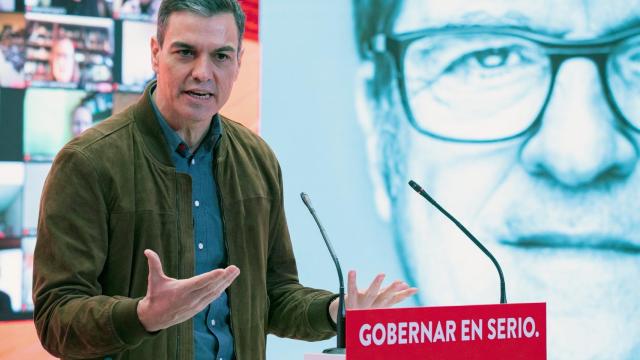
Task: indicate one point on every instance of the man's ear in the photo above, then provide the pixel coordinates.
(155, 54)
(366, 106)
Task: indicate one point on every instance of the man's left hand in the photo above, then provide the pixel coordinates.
(374, 297)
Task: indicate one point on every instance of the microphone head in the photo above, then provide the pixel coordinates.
(415, 186)
(305, 199)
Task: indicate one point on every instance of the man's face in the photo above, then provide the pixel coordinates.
(557, 206)
(63, 61)
(196, 66)
(82, 120)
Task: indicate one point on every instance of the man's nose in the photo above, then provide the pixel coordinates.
(580, 141)
(202, 69)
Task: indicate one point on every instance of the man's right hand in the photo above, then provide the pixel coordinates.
(171, 301)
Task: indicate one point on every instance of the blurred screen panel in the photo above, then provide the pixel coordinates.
(70, 52)
(136, 71)
(100, 8)
(145, 10)
(68, 114)
(12, 59)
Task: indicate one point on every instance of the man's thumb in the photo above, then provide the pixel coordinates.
(155, 266)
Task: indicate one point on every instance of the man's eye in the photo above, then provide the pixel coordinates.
(491, 59)
(222, 57)
(185, 52)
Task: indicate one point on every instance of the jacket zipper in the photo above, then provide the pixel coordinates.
(179, 253)
(224, 226)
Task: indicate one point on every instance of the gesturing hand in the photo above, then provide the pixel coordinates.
(374, 297)
(170, 301)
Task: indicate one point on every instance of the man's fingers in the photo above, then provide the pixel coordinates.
(216, 285)
(395, 286)
(352, 290)
(206, 279)
(225, 281)
(196, 297)
(155, 266)
(373, 290)
(399, 296)
(386, 293)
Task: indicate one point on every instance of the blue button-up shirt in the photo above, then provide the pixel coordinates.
(212, 333)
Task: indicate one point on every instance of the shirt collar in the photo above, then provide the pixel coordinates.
(173, 139)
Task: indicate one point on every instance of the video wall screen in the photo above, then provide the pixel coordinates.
(99, 8)
(73, 52)
(12, 50)
(11, 124)
(136, 71)
(69, 113)
(11, 191)
(145, 10)
(7, 5)
(10, 284)
(60, 70)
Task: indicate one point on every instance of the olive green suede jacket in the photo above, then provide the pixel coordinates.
(112, 193)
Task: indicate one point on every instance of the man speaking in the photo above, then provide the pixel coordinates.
(162, 232)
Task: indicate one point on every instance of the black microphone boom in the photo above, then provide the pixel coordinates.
(420, 190)
(340, 320)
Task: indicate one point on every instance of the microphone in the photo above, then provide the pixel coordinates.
(340, 320)
(420, 190)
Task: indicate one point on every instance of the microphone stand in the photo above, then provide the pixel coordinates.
(421, 191)
(340, 319)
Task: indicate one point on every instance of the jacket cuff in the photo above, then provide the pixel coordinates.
(334, 326)
(126, 322)
(319, 317)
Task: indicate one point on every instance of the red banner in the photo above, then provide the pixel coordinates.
(251, 10)
(506, 331)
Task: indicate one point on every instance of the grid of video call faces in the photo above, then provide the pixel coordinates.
(61, 71)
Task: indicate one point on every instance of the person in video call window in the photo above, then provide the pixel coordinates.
(82, 7)
(63, 67)
(162, 232)
(147, 8)
(521, 118)
(81, 120)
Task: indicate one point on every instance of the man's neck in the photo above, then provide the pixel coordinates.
(190, 131)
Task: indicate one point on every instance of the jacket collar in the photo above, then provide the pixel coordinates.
(147, 124)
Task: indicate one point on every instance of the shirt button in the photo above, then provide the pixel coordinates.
(196, 203)
(193, 161)
(213, 323)
(200, 246)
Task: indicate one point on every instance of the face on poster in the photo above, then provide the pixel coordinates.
(522, 119)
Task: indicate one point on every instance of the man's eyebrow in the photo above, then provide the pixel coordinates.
(181, 45)
(521, 21)
(184, 45)
(226, 48)
(514, 19)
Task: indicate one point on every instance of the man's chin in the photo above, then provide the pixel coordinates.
(199, 115)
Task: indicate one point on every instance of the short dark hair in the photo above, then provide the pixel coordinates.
(200, 7)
